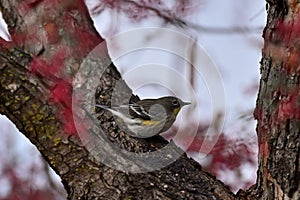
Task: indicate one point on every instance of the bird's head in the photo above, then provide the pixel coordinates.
(173, 104)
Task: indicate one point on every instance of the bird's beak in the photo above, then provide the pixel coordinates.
(185, 103)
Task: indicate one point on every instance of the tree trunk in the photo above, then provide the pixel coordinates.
(278, 108)
(51, 39)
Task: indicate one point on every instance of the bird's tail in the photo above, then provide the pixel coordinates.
(102, 106)
(117, 113)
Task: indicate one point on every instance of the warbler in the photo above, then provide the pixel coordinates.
(147, 117)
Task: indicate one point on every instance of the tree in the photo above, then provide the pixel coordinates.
(51, 39)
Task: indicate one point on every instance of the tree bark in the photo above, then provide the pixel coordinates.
(58, 36)
(278, 108)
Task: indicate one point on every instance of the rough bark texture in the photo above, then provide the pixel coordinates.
(24, 99)
(277, 110)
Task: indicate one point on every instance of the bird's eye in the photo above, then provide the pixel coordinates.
(175, 102)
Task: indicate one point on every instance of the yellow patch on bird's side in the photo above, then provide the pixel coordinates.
(176, 110)
(150, 122)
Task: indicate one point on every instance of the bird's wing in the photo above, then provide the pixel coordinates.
(137, 111)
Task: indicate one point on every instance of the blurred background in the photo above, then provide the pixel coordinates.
(205, 52)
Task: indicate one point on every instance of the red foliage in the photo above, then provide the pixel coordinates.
(282, 43)
(5, 43)
(86, 42)
(18, 38)
(52, 34)
(288, 107)
(77, 5)
(68, 121)
(61, 93)
(52, 68)
(292, 61)
(226, 153)
(26, 5)
(48, 70)
(24, 188)
(258, 113)
(142, 9)
(288, 31)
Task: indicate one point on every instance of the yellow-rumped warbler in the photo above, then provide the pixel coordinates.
(147, 117)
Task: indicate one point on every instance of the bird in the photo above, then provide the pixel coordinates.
(148, 117)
